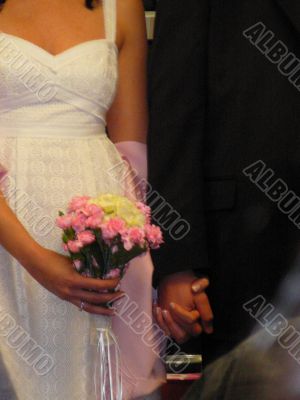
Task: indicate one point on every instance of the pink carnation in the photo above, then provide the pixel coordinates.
(77, 264)
(114, 249)
(113, 273)
(127, 243)
(74, 246)
(136, 235)
(94, 221)
(86, 237)
(64, 222)
(131, 237)
(78, 202)
(146, 210)
(154, 236)
(91, 210)
(79, 222)
(112, 228)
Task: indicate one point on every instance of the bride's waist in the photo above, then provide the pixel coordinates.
(75, 130)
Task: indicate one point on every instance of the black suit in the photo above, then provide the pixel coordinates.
(217, 105)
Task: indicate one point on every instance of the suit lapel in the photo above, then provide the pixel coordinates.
(292, 10)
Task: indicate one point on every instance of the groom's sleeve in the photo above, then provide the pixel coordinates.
(177, 100)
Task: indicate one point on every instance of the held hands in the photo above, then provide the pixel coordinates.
(183, 308)
(56, 273)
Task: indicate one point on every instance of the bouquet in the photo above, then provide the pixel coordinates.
(102, 235)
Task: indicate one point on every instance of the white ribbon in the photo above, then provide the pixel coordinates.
(107, 376)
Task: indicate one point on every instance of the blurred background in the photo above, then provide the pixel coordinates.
(150, 5)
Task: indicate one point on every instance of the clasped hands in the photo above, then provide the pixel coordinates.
(183, 309)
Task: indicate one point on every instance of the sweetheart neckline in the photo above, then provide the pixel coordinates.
(62, 53)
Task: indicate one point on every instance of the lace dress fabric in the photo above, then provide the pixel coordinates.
(54, 145)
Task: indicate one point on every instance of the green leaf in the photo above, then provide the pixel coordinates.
(123, 256)
(65, 238)
(99, 257)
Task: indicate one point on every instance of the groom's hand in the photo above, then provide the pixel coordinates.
(183, 308)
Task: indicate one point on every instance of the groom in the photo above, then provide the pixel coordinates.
(224, 154)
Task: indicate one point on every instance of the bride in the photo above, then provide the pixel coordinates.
(72, 104)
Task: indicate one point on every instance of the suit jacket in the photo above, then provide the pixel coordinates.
(251, 371)
(222, 98)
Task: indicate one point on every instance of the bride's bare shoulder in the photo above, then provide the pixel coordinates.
(131, 19)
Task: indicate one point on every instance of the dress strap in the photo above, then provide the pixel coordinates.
(110, 19)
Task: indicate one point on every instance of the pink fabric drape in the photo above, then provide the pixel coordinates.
(137, 334)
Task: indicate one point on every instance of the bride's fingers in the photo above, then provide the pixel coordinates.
(160, 320)
(179, 334)
(192, 329)
(95, 284)
(97, 298)
(92, 308)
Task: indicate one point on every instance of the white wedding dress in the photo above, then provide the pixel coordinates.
(54, 145)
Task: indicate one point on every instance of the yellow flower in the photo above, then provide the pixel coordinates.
(121, 207)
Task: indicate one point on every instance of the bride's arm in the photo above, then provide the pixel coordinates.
(127, 119)
(52, 270)
(13, 236)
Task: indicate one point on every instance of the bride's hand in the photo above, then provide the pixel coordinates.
(56, 273)
(183, 307)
